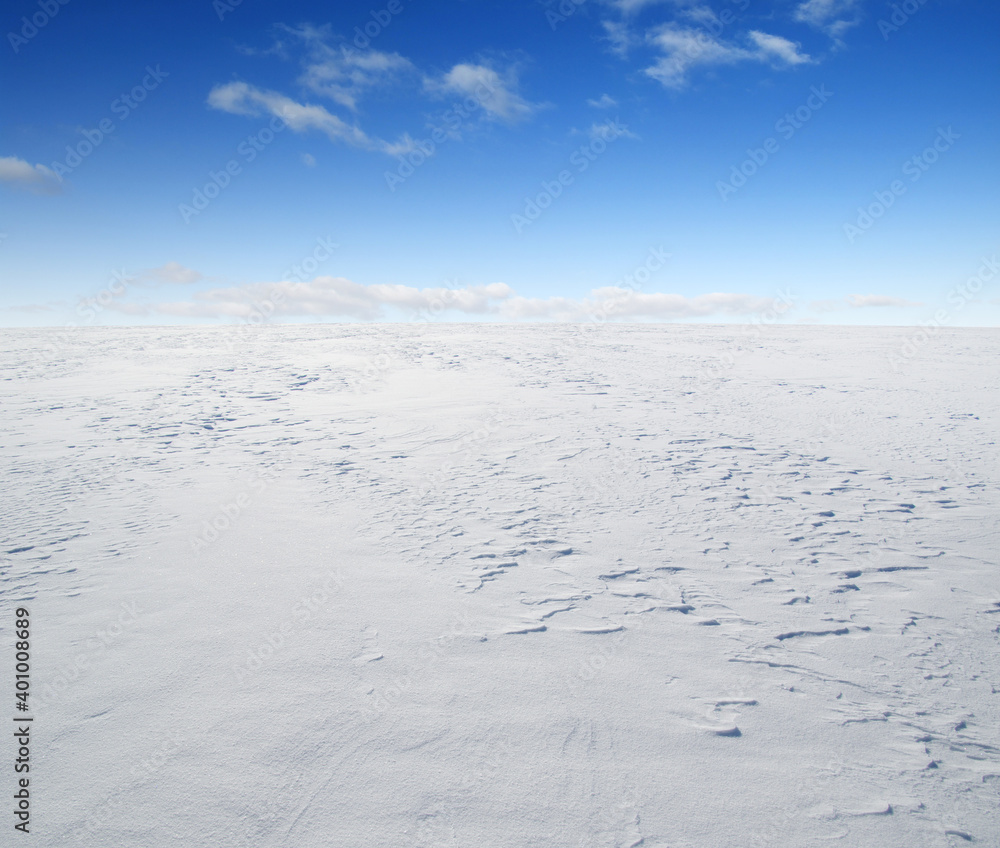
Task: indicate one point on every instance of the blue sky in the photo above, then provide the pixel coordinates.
(825, 161)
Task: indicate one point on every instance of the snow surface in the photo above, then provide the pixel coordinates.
(529, 586)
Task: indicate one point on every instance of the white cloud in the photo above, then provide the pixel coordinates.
(685, 48)
(862, 300)
(344, 77)
(337, 297)
(605, 101)
(308, 160)
(240, 98)
(496, 93)
(834, 17)
(342, 73)
(34, 178)
(780, 48)
(819, 13)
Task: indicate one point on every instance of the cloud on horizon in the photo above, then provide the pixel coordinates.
(864, 300)
(337, 297)
(611, 303)
(333, 297)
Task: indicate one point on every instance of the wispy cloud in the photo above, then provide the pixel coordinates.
(240, 98)
(336, 73)
(703, 15)
(497, 92)
(779, 48)
(605, 101)
(620, 39)
(834, 17)
(632, 7)
(342, 73)
(172, 272)
(685, 48)
(37, 179)
(610, 131)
